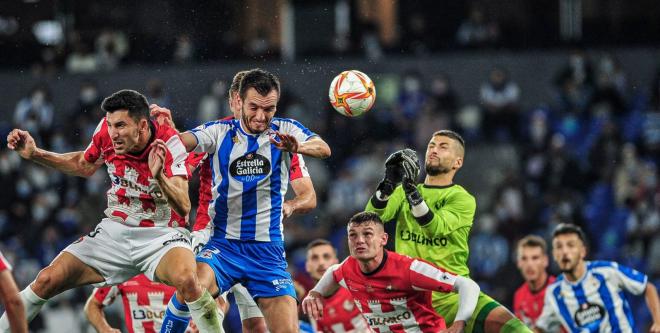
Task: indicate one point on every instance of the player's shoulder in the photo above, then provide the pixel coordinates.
(602, 265)
(223, 123)
(283, 124)
(460, 192)
(101, 134)
(165, 132)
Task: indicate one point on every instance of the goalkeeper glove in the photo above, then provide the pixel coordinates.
(393, 175)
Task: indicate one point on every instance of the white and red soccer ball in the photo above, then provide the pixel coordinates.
(352, 93)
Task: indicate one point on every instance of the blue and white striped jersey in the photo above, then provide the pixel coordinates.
(250, 178)
(595, 303)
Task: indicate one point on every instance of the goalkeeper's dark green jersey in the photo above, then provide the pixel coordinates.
(444, 240)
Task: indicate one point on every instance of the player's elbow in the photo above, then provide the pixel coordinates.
(325, 151)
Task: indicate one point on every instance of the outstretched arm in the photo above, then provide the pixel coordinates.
(653, 303)
(314, 147)
(73, 163)
(12, 302)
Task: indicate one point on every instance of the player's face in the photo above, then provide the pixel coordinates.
(568, 251)
(532, 262)
(124, 131)
(442, 155)
(257, 111)
(319, 258)
(234, 105)
(366, 240)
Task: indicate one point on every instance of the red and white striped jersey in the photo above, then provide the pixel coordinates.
(145, 302)
(134, 197)
(298, 169)
(341, 315)
(396, 297)
(4, 264)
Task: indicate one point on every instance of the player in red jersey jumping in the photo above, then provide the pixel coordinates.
(392, 291)
(340, 314)
(144, 229)
(11, 299)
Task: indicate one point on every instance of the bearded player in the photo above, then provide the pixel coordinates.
(304, 201)
(433, 222)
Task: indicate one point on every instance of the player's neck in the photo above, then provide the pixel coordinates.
(443, 179)
(538, 283)
(371, 265)
(577, 273)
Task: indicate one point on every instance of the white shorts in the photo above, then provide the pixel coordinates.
(120, 252)
(247, 307)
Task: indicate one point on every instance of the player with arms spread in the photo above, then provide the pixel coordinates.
(433, 222)
(303, 202)
(250, 158)
(145, 226)
(391, 290)
(11, 299)
(340, 313)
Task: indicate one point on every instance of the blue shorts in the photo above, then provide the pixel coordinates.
(259, 266)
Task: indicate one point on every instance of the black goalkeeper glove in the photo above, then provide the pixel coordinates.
(393, 174)
(412, 194)
(409, 164)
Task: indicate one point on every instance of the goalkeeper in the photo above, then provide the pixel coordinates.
(433, 222)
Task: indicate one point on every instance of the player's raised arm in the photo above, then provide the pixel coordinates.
(94, 312)
(73, 163)
(314, 146)
(175, 188)
(387, 199)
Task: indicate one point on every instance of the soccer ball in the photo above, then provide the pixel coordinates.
(352, 93)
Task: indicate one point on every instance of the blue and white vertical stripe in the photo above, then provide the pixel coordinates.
(595, 303)
(247, 206)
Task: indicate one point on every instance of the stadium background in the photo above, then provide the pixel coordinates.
(559, 102)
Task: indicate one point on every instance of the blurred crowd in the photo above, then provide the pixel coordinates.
(589, 156)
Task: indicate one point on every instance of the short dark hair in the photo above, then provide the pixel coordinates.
(569, 228)
(451, 134)
(319, 242)
(235, 85)
(364, 217)
(261, 80)
(533, 241)
(131, 100)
